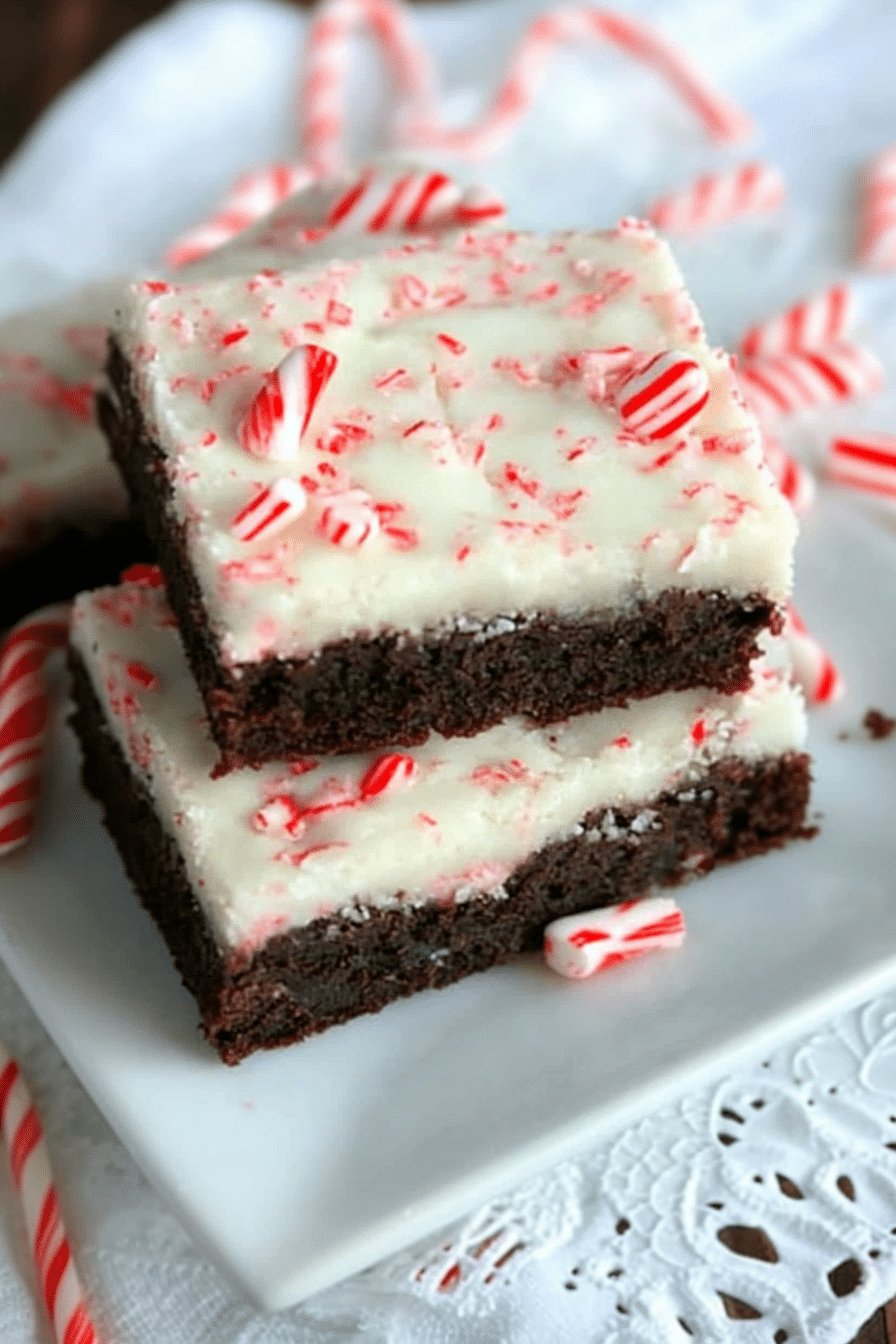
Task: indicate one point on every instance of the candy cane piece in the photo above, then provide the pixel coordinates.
(251, 196)
(660, 395)
(791, 477)
(579, 945)
(716, 198)
(48, 1241)
(380, 201)
(579, 24)
(813, 669)
(279, 415)
(24, 708)
(349, 518)
(877, 237)
(478, 204)
(810, 324)
(776, 385)
(323, 85)
(270, 511)
(866, 461)
(387, 774)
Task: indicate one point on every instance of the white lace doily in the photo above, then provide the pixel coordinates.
(759, 1210)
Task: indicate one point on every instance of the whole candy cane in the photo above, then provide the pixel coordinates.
(578, 945)
(323, 85)
(48, 1242)
(582, 24)
(716, 198)
(877, 238)
(810, 324)
(24, 708)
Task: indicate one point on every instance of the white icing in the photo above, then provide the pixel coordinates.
(589, 520)
(54, 462)
(474, 810)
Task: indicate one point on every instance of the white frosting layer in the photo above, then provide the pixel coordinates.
(475, 808)
(513, 491)
(54, 462)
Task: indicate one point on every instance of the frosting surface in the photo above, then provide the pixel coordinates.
(466, 407)
(270, 849)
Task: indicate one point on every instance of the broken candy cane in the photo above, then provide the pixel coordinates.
(24, 709)
(877, 237)
(48, 1241)
(279, 415)
(273, 509)
(382, 200)
(811, 324)
(813, 669)
(866, 461)
(777, 385)
(388, 773)
(716, 198)
(580, 24)
(578, 945)
(251, 196)
(660, 395)
(349, 518)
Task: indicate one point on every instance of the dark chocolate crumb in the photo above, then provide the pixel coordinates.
(878, 725)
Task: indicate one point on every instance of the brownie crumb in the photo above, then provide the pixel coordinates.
(878, 725)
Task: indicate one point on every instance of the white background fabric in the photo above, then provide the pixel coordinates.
(623, 1244)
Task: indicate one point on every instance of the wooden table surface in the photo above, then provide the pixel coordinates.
(44, 44)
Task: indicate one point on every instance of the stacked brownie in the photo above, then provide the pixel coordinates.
(473, 589)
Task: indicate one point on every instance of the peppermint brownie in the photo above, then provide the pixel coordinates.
(489, 475)
(299, 895)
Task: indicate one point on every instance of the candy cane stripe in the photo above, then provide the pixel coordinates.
(717, 198)
(877, 238)
(578, 945)
(812, 323)
(867, 463)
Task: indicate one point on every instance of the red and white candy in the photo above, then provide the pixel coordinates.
(270, 511)
(660, 395)
(793, 480)
(251, 196)
(349, 518)
(813, 669)
(776, 385)
(279, 415)
(387, 774)
(24, 709)
(877, 239)
(866, 461)
(811, 324)
(579, 945)
(716, 198)
(382, 200)
(48, 1242)
(581, 24)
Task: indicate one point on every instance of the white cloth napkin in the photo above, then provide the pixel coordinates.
(622, 1245)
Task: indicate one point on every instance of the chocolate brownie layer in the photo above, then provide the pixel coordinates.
(392, 689)
(336, 968)
(72, 561)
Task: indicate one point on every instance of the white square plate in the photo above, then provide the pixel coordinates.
(300, 1167)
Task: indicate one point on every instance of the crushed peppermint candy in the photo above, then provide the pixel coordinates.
(578, 945)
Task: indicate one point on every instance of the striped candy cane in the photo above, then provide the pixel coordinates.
(278, 417)
(580, 24)
(716, 198)
(274, 508)
(380, 200)
(813, 669)
(324, 82)
(877, 236)
(251, 196)
(776, 385)
(792, 478)
(811, 324)
(866, 461)
(24, 708)
(48, 1241)
(579, 945)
